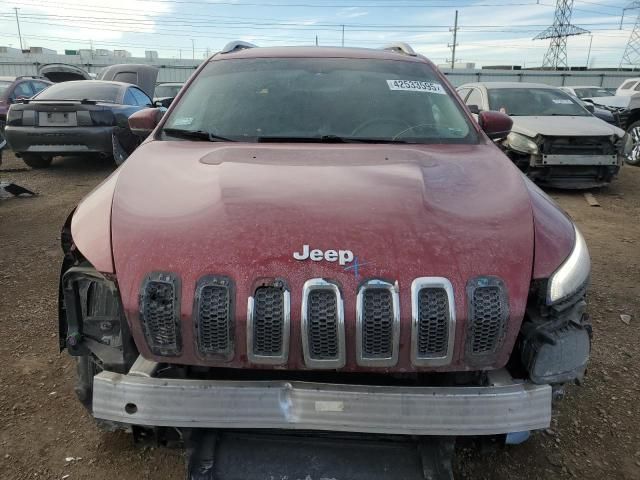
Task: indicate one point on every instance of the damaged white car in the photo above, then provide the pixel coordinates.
(555, 139)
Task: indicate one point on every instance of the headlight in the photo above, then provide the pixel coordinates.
(521, 144)
(573, 274)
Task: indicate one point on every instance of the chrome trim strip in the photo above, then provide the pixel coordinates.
(417, 285)
(395, 339)
(286, 322)
(340, 360)
(403, 410)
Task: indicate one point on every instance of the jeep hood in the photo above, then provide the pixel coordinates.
(588, 126)
(242, 210)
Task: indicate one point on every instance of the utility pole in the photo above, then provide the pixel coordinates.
(589, 52)
(316, 40)
(556, 56)
(343, 35)
(18, 23)
(193, 50)
(631, 55)
(455, 44)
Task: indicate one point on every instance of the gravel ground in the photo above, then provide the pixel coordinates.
(46, 434)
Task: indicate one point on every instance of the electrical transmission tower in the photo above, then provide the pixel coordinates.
(556, 56)
(631, 55)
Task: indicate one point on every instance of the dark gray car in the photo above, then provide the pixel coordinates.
(77, 117)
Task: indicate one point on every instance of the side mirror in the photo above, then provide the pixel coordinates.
(590, 107)
(495, 124)
(475, 109)
(165, 102)
(144, 121)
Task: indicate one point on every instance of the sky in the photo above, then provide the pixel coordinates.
(490, 31)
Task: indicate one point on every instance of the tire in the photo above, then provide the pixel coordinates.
(634, 132)
(36, 161)
(87, 368)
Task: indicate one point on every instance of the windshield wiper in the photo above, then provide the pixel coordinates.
(197, 134)
(325, 139)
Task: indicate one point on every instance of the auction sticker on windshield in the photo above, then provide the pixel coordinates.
(416, 86)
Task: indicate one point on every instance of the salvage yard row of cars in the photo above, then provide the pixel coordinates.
(558, 138)
(77, 115)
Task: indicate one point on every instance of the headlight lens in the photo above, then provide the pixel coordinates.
(522, 144)
(573, 274)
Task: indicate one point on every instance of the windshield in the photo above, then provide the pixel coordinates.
(290, 99)
(4, 86)
(534, 102)
(591, 92)
(162, 91)
(81, 90)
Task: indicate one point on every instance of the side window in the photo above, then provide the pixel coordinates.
(38, 86)
(22, 90)
(637, 87)
(463, 92)
(129, 99)
(475, 98)
(140, 97)
(627, 85)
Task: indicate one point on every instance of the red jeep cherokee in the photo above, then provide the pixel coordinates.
(322, 239)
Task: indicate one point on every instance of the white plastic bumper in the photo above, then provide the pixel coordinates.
(317, 406)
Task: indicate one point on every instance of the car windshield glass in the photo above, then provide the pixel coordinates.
(162, 91)
(4, 86)
(321, 99)
(81, 90)
(591, 92)
(534, 101)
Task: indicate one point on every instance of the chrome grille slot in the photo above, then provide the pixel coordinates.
(159, 308)
(268, 324)
(433, 321)
(322, 325)
(213, 317)
(377, 324)
(488, 314)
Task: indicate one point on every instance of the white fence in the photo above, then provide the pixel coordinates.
(612, 79)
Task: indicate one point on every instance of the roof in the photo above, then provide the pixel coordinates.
(495, 85)
(583, 86)
(317, 52)
(97, 82)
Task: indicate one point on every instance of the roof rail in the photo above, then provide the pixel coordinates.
(237, 45)
(401, 47)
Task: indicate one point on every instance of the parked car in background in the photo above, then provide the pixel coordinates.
(78, 117)
(630, 86)
(13, 89)
(555, 139)
(402, 264)
(583, 92)
(603, 113)
(165, 93)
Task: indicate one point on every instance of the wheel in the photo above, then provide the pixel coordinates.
(634, 132)
(87, 368)
(36, 161)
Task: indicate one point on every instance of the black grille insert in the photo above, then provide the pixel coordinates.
(159, 308)
(433, 323)
(268, 321)
(489, 312)
(377, 323)
(214, 317)
(322, 324)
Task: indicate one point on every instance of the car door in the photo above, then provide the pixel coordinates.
(143, 76)
(21, 90)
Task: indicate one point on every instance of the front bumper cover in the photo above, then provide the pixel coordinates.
(502, 408)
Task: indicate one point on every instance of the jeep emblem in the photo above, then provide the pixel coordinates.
(341, 256)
